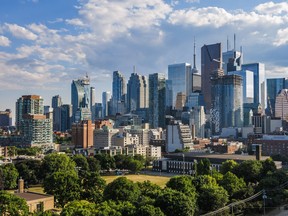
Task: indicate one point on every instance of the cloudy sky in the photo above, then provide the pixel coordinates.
(44, 44)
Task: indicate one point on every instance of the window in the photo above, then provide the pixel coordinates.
(40, 207)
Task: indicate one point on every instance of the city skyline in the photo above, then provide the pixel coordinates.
(58, 42)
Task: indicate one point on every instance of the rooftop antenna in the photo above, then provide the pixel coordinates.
(227, 43)
(194, 59)
(234, 41)
(134, 69)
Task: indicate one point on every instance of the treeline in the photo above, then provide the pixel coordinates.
(79, 189)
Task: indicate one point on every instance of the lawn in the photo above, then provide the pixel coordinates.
(159, 180)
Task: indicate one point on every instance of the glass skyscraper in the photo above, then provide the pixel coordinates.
(80, 97)
(274, 86)
(258, 70)
(118, 91)
(180, 77)
(211, 62)
(157, 100)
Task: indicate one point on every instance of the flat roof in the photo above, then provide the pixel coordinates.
(235, 157)
(30, 196)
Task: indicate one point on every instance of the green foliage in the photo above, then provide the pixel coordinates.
(107, 162)
(201, 180)
(250, 170)
(175, 203)
(64, 185)
(30, 170)
(93, 187)
(10, 204)
(203, 167)
(107, 209)
(149, 189)
(212, 198)
(8, 175)
(149, 210)
(81, 162)
(268, 166)
(122, 189)
(31, 151)
(232, 184)
(57, 162)
(228, 166)
(183, 184)
(79, 208)
(94, 164)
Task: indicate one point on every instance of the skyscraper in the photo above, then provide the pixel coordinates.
(137, 92)
(66, 117)
(28, 104)
(180, 77)
(281, 105)
(248, 81)
(56, 101)
(227, 102)
(56, 105)
(274, 86)
(106, 96)
(118, 91)
(80, 98)
(92, 104)
(197, 121)
(157, 100)
(6, 118)
(232, 61)
(211, 62)
(258, 70)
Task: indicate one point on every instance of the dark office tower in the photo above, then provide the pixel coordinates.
(56, 101)
(80, 99)
(28, 104)
(118, 92)
(66, 117)
(157, 100)
(92, 104)
(5, 118)
(211, 62)
(56, 105)
(227, 102)
(274, 86)
(137, 92)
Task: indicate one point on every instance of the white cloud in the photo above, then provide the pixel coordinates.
(4, 41)
(273, 71)
(281, 37)
(20, 32)
(111, 19)
(272, 8)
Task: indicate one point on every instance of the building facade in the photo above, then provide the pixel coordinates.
(6, 118)
(118, 92)
(157, 100)
(281, 105)
(82, 134)
(274, 86)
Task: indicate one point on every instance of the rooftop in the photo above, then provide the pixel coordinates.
(30, 196)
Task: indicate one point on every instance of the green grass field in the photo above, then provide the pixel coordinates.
(159, 180)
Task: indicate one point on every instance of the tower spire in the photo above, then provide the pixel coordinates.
(194, 70)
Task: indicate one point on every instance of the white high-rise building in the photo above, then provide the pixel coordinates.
(106, 96)
(281, 105)
(197, 121)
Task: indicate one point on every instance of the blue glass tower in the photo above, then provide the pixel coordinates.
(274, 86)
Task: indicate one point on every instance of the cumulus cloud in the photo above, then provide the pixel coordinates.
(110, 19)
(272, 8)
(4, 41)
(281, 37)
(274, 71)
(20, 32)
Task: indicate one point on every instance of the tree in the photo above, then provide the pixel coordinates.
(79, 208)
(268, 166)
(57, 162)
(232, 184)
(9, 175)
(212, 198)
(183, 184)
(135, 165)
(149, 189)
(105, 209)
(201, 180)
(203, 167)
(228, 166)
(107, 162)
(122, 189)
(149, 210)
(94, 164)
(81, 162)
(92, 187)
(250, 170)
(29, 170)
(10, 204)
(175, 203)
(64, 185)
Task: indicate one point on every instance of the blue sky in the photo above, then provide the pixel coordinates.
(44, 44)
